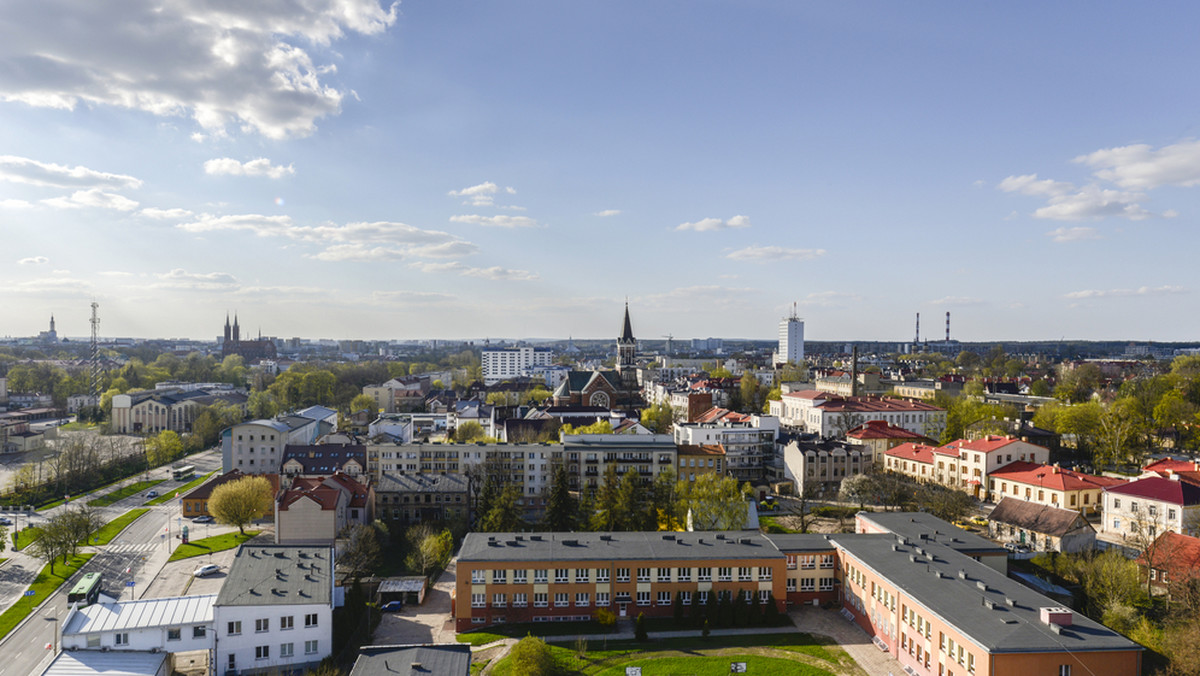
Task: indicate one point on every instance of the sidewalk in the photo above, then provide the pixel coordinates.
(849, 636)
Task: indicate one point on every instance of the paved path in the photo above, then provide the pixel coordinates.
(429, 622)
(849, 636)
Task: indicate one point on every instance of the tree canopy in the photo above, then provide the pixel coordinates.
(239, 502)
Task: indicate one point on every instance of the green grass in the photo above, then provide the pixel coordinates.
(170, 493)
(550, 630)
(122, 493)
(478, 638)
(216, 543)
(769, 524)
(113, 528)
(78, 426)
(43, 586)
(27, 537)
(714, 666)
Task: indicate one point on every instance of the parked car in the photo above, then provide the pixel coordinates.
(152, 494)
(392, 606)
(203, 519)
(208, 569)
(5, 521)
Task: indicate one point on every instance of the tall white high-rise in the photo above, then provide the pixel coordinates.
(791, 340)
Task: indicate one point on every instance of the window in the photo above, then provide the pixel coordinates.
(499, 600)
(683, 574)
(121, 639)
(234, 628)
(702, 598)
(540, 576)
(826, 584)
(664, 575)
(285, 622)
(764, 573)
(601, 575)
(602, 599)
(262, 652)
(808, 561)
(232, 661)
(685, 598)
(791, 561)
(643, 598)
(562, 575)
(479, 600)
(499, 577)
(582, 574)
(286, 649)
(478, 577)
(174, 634)
(1064, 670)
(541, 600)
(704, 574)
(622, 575)
(519, 577)
(827, 560)
(724, 574)
(664, 598)
(520, 600)
(744, 574)
(583, 600)
(1116, 503)
(808, 584)
(791, 584)
(1133, 506)
(198, 631)
(561, 600)
(262, 625)
(1171, 514)
(310, 620)
(643, 575)
(310, 647)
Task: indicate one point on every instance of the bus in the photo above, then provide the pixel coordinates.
(86, 590)
(184, 473)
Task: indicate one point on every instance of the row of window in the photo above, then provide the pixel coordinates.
(809, 561)
(584, 575)
(808, 584)
(263, 652)
(263, 624)
(603, 599)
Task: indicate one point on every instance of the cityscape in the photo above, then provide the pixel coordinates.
(365, 337)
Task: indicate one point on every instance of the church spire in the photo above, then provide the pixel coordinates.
(627, 330)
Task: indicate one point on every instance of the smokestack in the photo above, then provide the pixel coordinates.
(947, 326)
(917, 340)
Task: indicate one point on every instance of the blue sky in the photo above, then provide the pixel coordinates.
(346, 168)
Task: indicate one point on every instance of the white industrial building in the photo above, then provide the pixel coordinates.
(176, 624)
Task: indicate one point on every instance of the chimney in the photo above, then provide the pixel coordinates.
(1056, 615)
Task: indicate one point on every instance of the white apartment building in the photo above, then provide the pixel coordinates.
(791, 341)
(175, 624)
(513, 362)
(275, 609)
(823, 465)
(829, 415)
(1142, 510)
(256, 447)
(748, 440)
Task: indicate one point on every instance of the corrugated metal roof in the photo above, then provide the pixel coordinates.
(176, 611)
(114, 663)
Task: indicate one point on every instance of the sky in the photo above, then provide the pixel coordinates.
(471, 169)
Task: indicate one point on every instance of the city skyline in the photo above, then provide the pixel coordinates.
(445, 170)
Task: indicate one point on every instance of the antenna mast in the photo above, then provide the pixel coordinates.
(96, 351)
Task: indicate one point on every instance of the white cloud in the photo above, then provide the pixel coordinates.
(510, 190)
(164, 214)
(226, 166)
(829, 298)
(263, 226)
(58, 286)
(1125, 293)
(411, 297)
(46, 175)
(1139, 167)
(713, 224)
(1091, 202)
(1075, 234)
(94, 198)
(220, 63)
(1030, 184)
(15, 204)
(33, 260)
(481, 195)
(608, 212)
(774, 253)
(501, 221)
(358, 252)
(115, 273)
(495, 273)
(957, 301)
(205, 281)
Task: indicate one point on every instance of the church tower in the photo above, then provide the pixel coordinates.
(236, 331)
(627, 351)
(228, 329)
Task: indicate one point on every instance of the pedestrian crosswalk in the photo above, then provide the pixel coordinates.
(123, 548)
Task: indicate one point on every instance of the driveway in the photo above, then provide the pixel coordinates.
(428, 623)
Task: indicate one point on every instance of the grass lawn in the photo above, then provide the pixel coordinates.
(769, 524)
(43, 586)
(715, 666)
(27, 536)
(169, 494)
(216, 543)
(78, 426)
(114, 527)
(551, 630)
(122, 493)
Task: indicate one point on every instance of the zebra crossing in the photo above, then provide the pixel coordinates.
(124, 548)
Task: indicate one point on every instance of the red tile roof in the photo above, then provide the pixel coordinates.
(1054, 478)
(915, 452)
(325, 496)
(1162, 467)
(717, 413)
(1176, 553)
(881, 429)
(1179, 490)
(870, 405)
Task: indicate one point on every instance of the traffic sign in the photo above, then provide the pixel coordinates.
(30, 592)
(129, 584)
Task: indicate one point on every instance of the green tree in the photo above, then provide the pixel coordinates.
(751, 391)
(717, 502)
(505, 513)
(363, 402)
(429, 549)
(1077, 383)
(1176, 415)
(659, 418)
(599, 427)
(212, 420)
(164, 448)
(362, 553)
(531, 657)
(639, 629)
(469, 432)
(631, 494)
(239, 502)
(561, 507)
(667, 503)
(609, 511)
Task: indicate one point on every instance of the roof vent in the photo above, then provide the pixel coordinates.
(962, 574)
(895, 548)
(912, 557)
(606, 538)
(988, 603)
(1008, 601)
(743, 541)
(1056, 616)
(571, 543)
(981, 584)
(668, 537)
(720, 536)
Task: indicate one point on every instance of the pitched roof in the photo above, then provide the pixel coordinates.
(1037, 518)
(871, 405)
(204, 491)
(325, 496)
(881, 429)
(913, 451)
(1176, 490)
(627, 328)
(1162, 467)
(988, 444)
(1052, 477)
(141, 614)
(1177, 553)
(700, 449)
(324, 458)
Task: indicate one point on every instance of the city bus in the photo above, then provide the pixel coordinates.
(86, 590)
(184, 473)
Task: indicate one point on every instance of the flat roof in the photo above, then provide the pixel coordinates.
(111, 663)
(278, 575)
(954, 587)
(123, 615)
(913, 525)
(623, 546)
(801, 542)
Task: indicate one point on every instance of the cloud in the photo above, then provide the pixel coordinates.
(829, 298)
(114, 273)
(226, 166)
(1126, 293)
(481, 195)
(358, 252)
(93, 198)
(957, 301)
(608, 212)
(15, 204)
(206, 281)
(33, 260)
(1139, 167)
(713, 224)
(411, 297)
(1092, 202)
(1076, 234)
(495, 273)
(774, 253)
(46, 175)
(1030, 184)
(56, 286)
(220, 63)
(164, 214)
(501, 221)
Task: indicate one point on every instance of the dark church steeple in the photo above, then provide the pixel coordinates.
(627, 349)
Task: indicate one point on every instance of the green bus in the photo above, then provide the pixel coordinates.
(86, 591)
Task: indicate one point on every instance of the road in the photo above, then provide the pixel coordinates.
(136, 555)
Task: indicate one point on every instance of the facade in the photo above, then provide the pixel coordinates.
(172, 625)
(1172, 562)
(195, 503)
(408, 499)
(256, 447)
(399, 394)
(965, 465)
(513, 362)
(697, 460)
(275, 609)
(822, 465)
(647, 454)
(828, 414)
(1050, 485)
(1041, 527)
(791, 341)
(748, 440)
(314, 510)
(1143, 509)
(175, 409)
(875, 437)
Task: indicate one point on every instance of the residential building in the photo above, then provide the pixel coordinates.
(1050, 485)
(407, 499)
(698, 460)
(791, 341)
(174, 624)
(828, 414)
(928, 389)
(1168, 466)
(435, 659)
(1172, 563)
(846, 384)
(405, 428)
(1041, 527)
(513, 362)
(965, 465)
(399, 394)
(256, 447)
(1141, 510)
(314, 510)
(748, 440)
(195, 503)
(323, 459)
(647, 454)
(275, 609)
(875, 437)
(819, 466)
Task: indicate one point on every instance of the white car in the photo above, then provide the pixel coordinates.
(209, 569)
